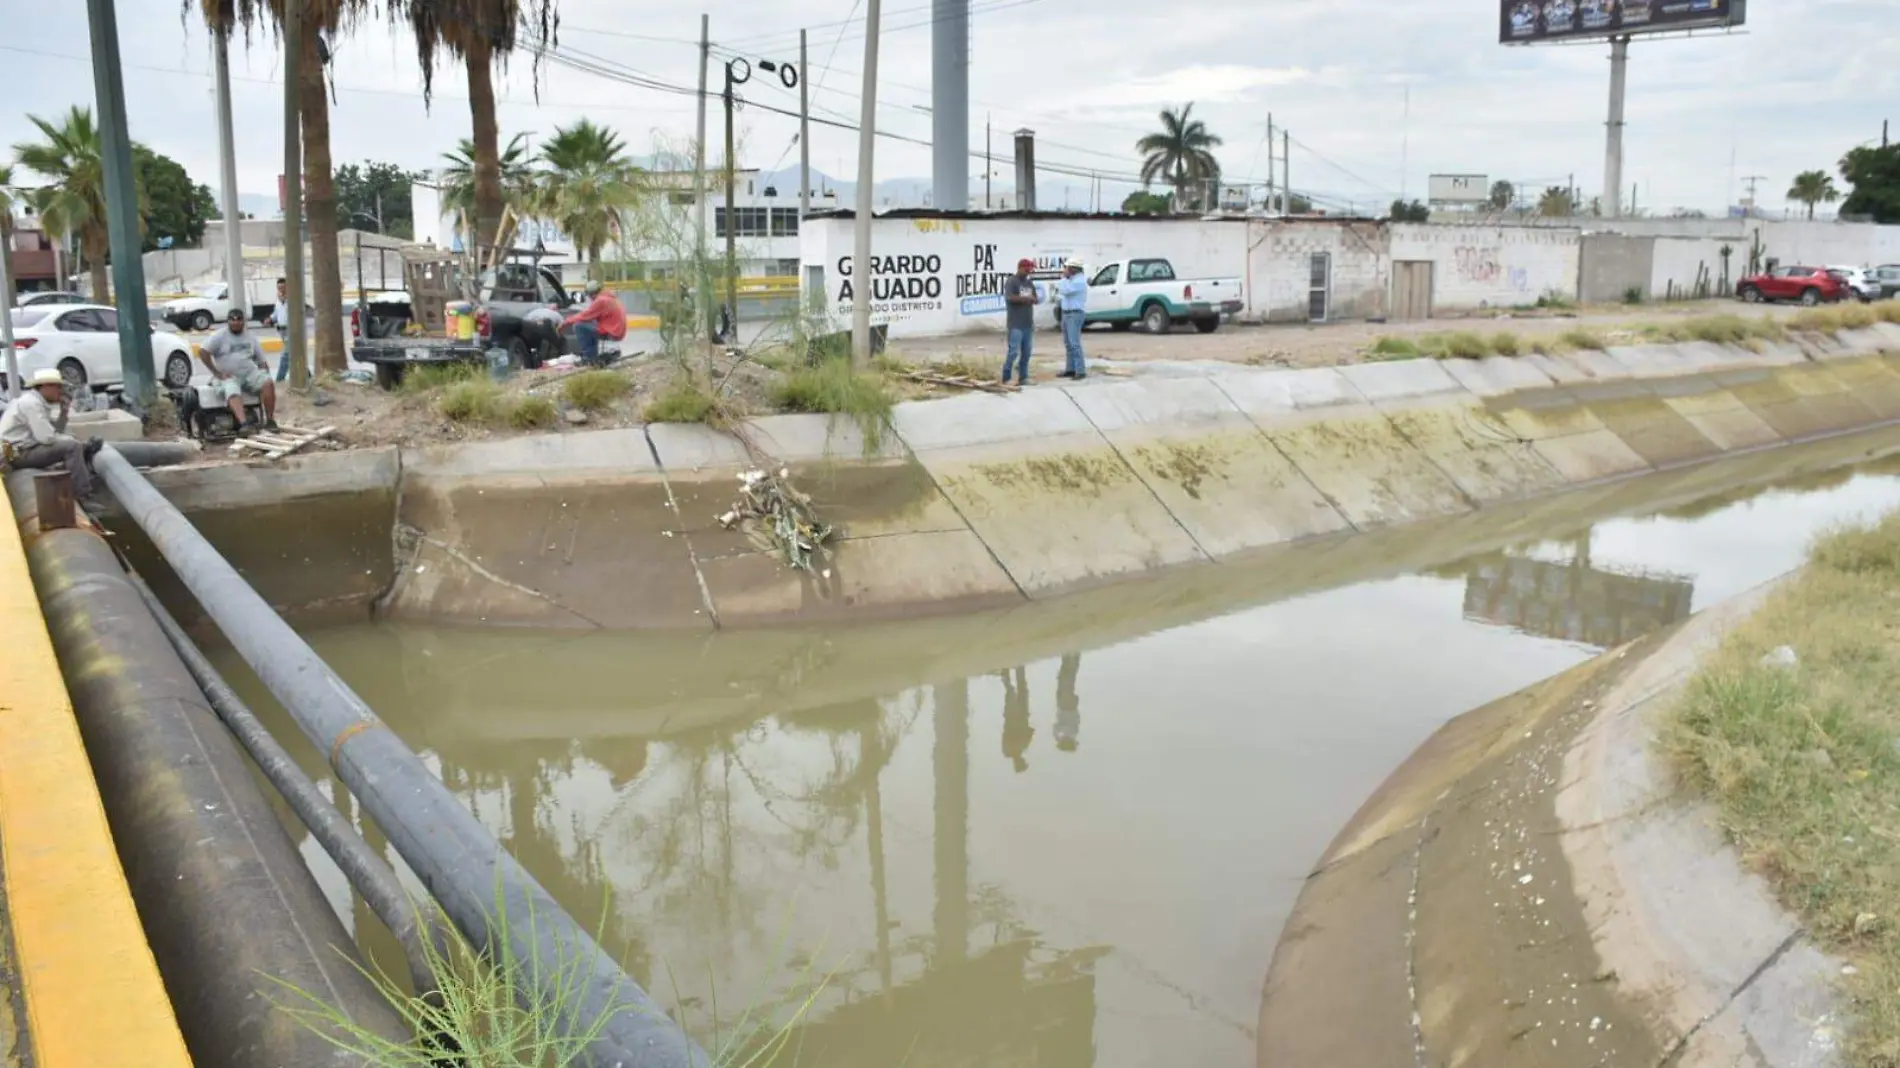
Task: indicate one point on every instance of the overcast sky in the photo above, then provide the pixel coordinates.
(1806, 82)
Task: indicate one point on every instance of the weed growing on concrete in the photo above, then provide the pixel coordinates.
(1578, 337)
(479, 1016)
(1505, 343)
(594, 391)
(532, 413)
(1848, 316)
(831, 387)
(1801, 755)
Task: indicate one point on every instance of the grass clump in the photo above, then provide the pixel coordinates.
(471, 400)
(1458, 345)
(1505, 343)
(434, 376)
(1634, 295)
(1800, 756)
(594, 391)
(1832, 320)
(532, 413)
(833, 387)
(1578, 337)
(1393, 348)
(683, 401)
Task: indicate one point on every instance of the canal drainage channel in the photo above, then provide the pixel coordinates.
(1086, 847)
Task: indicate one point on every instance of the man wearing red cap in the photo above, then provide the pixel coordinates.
(1020, 299)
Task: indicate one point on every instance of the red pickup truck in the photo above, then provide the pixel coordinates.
(1809, 285)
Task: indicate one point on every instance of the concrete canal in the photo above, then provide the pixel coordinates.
(1068, 833)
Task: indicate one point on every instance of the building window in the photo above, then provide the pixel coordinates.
(753, 222)
(681, 199)
(784, 222)
(785, 268)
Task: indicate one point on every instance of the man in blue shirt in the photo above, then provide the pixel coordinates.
(1072, 295)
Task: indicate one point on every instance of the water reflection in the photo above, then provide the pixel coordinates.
(751, 837)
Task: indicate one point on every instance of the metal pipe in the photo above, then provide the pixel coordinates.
(483, 890)
(367, 872)
(232, 913)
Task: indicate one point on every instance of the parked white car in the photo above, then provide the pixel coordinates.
(1859, 279)
(208, 305)
(82, 343)
(1147, 291)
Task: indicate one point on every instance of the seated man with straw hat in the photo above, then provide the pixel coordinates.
(32, 432)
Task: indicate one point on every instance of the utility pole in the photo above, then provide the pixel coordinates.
(295, 340)
(861, 246)
(1286, 173)
(804, 134)
(732, 220)
(1613, 139)
(122, 207)
(989, 163)
(227, 177)
(700, 190)
(1270, 171)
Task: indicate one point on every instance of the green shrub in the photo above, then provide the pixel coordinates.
(1505, 343)
(1580, 338)
(472, 400)
(1394, 348)
(532, 413)
(1459, 344)
(438, 375)
(593, 391)
(684, 401)
(1633, 295)
(833, 387)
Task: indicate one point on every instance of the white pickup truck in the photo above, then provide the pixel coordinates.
(1147, 291)
(208, 304)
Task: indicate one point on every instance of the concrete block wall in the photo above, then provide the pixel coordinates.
(1279, 269)
(1491, 266)
(1611, 265)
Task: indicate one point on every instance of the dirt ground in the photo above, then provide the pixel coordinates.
(363, 415)
(1325, 345)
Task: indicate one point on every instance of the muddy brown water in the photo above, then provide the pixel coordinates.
(1083, 859)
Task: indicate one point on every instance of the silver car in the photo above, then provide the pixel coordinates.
(1860, 280)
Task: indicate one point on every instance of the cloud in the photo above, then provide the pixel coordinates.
(1377, 95)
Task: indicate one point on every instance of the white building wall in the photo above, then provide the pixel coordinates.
(942, 276)
(1681, 264)
(1491, 266)
(1280, 269)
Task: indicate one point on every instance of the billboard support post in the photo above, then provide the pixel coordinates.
(1613, 140)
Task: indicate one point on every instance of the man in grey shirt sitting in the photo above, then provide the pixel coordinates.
(237, 364)
(1019, 300)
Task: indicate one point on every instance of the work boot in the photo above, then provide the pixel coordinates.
(270, 424)
(93, 445)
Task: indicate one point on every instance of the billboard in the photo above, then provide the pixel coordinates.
(1531, 21)
(1458, 189)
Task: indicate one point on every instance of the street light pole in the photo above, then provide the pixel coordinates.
(122, 207)
(861, 250)
(227, 177)
(804, 135)
(732, 218)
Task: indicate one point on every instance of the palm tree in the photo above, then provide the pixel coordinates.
(1556, 201)
(8, 195)
(1181, 154)
(480, 33)
(1813, 187)
(321, 20)
(590, 185)
(1502, 195)
(74, 196)
(519, 187)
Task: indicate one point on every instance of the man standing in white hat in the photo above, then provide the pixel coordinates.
(32, 431)
(1072, 293)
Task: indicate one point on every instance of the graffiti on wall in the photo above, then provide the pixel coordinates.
(1481, 266)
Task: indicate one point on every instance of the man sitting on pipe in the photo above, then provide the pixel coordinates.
(32, 432)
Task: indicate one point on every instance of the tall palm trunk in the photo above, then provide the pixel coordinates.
(93, 242)
(481, 106)
(6, 249)
(319, 210)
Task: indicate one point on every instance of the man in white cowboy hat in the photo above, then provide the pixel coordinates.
(1072, 294)
(32, 431)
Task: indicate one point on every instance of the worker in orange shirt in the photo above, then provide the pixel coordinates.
(603, 317)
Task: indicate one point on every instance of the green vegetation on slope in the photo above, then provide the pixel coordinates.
(1801, 756)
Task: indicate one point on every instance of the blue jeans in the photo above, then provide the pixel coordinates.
(588, 336)
(1072, 341)
(283, 358)
(1022, 339)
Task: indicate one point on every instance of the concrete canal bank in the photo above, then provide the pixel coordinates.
(1529, 887)
(988, 501)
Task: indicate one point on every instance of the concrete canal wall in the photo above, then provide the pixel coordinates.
(987, 501)
(1541, 836)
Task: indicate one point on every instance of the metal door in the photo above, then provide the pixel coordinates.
(1319, 284)
(1411, 289)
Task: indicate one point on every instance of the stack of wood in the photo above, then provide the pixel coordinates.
(279, 443)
